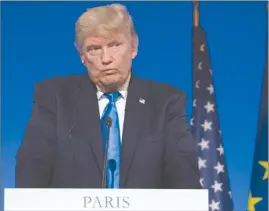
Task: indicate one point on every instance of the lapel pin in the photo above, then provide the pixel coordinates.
(141, 100)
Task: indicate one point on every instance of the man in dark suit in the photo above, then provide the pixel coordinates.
(107, 128)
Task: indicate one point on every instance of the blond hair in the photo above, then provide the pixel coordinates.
(103, 21)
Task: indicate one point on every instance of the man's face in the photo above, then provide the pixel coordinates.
(108, 60)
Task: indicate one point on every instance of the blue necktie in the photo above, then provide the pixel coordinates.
(114, 145)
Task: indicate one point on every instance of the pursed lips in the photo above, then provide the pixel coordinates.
(108, 71)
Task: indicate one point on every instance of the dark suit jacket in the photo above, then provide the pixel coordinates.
(62, 146)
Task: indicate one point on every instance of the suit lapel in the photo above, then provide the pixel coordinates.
(136, 119)
(88, 127)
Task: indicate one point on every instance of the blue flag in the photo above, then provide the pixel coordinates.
(258, 196)
(205, 128)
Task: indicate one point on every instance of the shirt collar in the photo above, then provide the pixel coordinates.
(122, 90)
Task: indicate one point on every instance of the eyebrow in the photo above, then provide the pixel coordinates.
(99, 46)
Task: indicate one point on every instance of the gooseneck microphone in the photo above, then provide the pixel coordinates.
(108, 126)
(112, 167)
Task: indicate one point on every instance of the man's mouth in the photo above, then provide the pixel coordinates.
(108, 71)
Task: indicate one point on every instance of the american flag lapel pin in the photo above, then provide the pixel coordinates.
(141, 100)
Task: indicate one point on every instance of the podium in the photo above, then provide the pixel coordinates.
(16, 199)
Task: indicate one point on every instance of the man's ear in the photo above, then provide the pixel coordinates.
(81, 56)
(82, 59)
(134, 46)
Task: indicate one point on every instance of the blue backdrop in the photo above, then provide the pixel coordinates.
(37, 43)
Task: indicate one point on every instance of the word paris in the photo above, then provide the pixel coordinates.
(106, 202)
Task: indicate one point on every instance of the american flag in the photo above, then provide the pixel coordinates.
(205, 128)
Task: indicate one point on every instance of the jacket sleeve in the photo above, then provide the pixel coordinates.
(181, 169)
(34, 159)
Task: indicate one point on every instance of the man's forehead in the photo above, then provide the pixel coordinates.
(102, 40)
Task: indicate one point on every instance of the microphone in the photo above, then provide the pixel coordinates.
(108, 125)
(112, 167)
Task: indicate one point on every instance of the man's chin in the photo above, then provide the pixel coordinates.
(110, 85)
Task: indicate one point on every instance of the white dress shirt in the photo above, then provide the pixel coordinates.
(120, 103)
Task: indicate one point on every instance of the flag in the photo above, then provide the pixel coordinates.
(258, 196)
(205, 127)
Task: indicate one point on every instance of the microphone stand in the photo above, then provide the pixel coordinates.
(104, 178)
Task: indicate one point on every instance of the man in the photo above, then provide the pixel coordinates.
(107, 128)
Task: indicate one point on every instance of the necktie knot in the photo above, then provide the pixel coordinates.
(112, 96)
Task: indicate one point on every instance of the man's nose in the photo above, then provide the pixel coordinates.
(106, 57)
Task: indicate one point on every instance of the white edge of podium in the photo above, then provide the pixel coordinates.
(16, 199)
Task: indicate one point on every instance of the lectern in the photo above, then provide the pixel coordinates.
(16, 199)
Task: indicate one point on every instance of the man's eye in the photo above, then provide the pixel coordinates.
(94, 48)
(116, 44)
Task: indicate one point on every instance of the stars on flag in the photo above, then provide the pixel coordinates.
(209, 107)
(214, 205)
(210, 71)
(217, 186)
(252, 201)
(230, 194)
(221, 150)
(207, 125)
(191, 121)
(194, 103)
(264, 164)
(197, 85)
(202, 182)
(204, 144)
(201, 163)
(219, 167)
(210, 89)
(200, 65)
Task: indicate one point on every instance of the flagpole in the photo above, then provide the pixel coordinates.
(196, 13)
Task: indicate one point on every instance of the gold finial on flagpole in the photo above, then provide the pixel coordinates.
(195, 13)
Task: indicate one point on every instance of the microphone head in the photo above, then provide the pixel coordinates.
(112, 165)
(108, 121)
